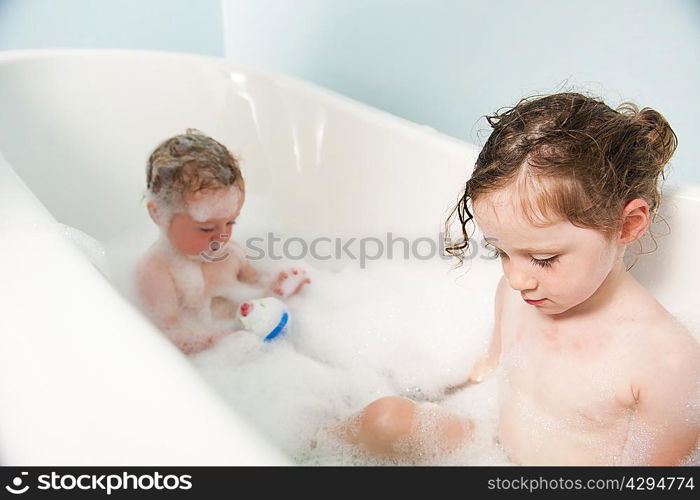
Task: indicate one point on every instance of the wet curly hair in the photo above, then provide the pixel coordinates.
(189, 163)
(570, 157)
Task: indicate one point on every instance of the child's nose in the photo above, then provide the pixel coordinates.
(222, 237)
(520, 280)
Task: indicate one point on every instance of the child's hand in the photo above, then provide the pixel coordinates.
(480, 371)
(290, 282)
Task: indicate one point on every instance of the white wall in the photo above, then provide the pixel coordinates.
(171, 25)
(445, 63)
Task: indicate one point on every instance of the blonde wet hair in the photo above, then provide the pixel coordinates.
(187, 164)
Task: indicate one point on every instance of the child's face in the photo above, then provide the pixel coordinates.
(561, 263)
(206, 224)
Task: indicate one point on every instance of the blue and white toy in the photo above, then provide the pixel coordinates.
(266, 318)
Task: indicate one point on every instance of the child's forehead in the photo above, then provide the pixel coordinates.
(500, 209)
(507, 227)
(207, 205)
(498, 217)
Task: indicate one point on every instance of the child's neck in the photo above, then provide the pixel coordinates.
(605, 298)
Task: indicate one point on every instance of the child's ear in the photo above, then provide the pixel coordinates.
(636, 220)
(153, 212)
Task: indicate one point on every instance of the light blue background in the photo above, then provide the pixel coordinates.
(174, 25)
(440, 63)
(445, 63)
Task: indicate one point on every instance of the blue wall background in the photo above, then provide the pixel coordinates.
(440, 63)
(446, 63)
(174, 25)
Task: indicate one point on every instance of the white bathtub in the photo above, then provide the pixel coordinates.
(76, 128)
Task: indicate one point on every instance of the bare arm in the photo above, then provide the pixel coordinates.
(489, 361)
(247, 272)
(284, 284)
(159, 301)
(157, 295)
(664, 428)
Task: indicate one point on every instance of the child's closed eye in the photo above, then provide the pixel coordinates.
(210, 229)
(544, 262)
(537, 262)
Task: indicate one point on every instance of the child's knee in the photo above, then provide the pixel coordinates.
(385, 421)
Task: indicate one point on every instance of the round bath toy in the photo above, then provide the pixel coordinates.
(267, 317)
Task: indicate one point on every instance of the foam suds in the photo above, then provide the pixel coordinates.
(396, 328)
(220, 204)
(348, 347)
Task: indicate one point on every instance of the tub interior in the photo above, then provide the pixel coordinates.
(77, 128)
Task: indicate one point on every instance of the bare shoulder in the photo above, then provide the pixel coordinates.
(664, 345)
(151, 265)
(236, 250)
(153, 279)
(237, 259)
(649, 321)
(668, 334)
(656, 324)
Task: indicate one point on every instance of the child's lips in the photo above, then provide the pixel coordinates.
(535, 302)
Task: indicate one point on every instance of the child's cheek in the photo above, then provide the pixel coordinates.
(191, 242)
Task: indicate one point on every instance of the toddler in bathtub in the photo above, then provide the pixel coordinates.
(594, 371)
(187, 280)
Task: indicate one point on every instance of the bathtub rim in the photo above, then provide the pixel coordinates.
(19, 55)
(682, 190)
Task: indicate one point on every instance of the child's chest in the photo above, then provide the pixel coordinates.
(573, 373)
(198, 282)
(565, 394)
(219, 274)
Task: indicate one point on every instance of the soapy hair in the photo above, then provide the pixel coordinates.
(570, 157)
(189, 163)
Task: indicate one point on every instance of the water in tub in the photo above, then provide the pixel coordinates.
(407, 327)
